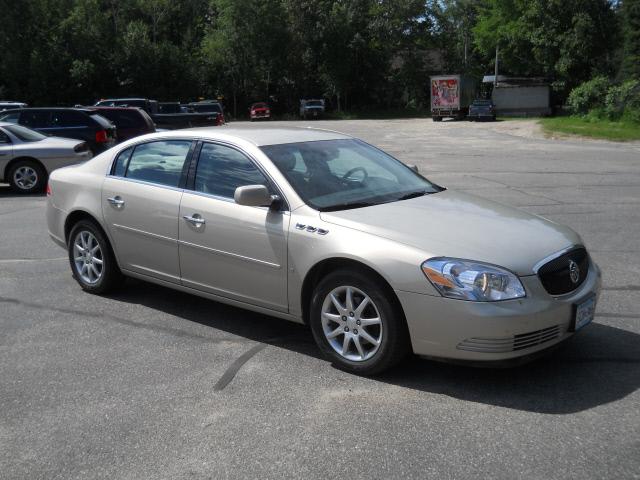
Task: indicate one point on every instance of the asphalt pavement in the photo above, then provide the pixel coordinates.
(153, 383)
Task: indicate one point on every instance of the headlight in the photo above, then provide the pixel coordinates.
(469, 280)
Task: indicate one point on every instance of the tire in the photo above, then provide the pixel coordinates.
(390, 332)
(437, 119)
(27, 176)
(92, 276)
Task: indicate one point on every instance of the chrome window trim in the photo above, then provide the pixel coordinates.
(134, 145)
(224, 143)
(144, 182)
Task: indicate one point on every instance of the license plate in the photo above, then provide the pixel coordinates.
(584, 313)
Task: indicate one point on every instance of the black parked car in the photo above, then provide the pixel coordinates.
(129, 121)
(83, 124)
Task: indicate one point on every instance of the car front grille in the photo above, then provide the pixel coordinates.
(556, 274)
(510, 344)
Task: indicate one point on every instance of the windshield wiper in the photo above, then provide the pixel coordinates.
(347, 206)
(413, 195)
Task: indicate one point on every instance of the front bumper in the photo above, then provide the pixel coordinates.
(452, 329)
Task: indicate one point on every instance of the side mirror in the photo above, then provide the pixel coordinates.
(254, 196)
(414, 168)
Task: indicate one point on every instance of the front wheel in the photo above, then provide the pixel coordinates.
(356, 325)
(92, 262)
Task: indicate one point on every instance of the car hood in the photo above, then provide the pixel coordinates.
(460, 225)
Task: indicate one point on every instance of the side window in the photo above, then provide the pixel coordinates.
(121, 163)
(159, 162)
(35, 119)
(223, 169)
(4, 138)
(65, 118)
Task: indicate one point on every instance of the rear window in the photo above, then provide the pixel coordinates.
(124, 118)
(482, 103)
(25, 134)
(10, 117)
(102, 122)
(159, 162)
(207, 108)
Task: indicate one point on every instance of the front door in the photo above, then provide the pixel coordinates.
(6, 151)
(232, 250)
(141, 202)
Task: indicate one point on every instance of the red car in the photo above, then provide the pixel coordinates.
(130, 122)
(259, 111)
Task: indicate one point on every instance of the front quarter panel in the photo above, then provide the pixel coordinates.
(398, 264)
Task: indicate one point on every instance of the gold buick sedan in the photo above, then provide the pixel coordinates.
(324, 229)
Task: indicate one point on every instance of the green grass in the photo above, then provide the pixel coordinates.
(619, 131)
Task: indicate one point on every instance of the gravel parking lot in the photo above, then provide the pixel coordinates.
(153, 383)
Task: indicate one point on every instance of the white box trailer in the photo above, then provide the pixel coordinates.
(451, 96)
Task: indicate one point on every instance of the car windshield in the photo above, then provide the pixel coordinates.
(482, 103)
(314, 103)
(342, 174)
(25, 134)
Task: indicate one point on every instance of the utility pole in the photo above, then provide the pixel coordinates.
(495, 73)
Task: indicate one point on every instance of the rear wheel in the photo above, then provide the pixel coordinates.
(27, 176)
(356, 325)
(92, 262)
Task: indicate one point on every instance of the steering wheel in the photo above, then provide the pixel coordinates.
(346, 176)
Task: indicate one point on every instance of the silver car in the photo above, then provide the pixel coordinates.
(28, 157)
(321, 228)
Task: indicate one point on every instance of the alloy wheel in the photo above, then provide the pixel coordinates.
(352, 323)
(25, 177)
(87, 257)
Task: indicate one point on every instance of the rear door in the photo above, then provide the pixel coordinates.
(232, 250)
(140, 204)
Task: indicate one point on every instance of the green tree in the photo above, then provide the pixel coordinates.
(566, 40)
(630, 15)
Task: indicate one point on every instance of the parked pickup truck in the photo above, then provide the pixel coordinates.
(451, 96)
(168, 115)
(312, 108)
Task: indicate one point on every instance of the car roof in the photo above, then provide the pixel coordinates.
(99, 108)
(53, 109)
(261, 136)
(121, 98)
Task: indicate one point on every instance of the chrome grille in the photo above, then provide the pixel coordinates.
(510, 344)
(555, 275)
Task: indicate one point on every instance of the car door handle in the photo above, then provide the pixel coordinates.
(197, 221)
(116, 201)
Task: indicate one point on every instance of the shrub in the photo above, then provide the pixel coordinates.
(624, 101)
(588, 95)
